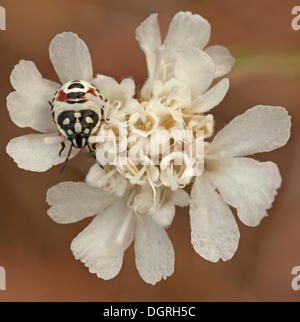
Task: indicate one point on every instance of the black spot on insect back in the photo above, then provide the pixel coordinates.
(76, 95)
(75, 85)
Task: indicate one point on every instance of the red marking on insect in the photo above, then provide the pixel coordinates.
(62, 96)
(92, 91)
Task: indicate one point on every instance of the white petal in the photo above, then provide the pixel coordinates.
(70, 57)
(195, 68)
(215, 234)
(109, 180)
(112, 90)
(180, 198)
(31, 153)
(74, 201)
(95, 175)
(129, 86)
(106, 85)
(213, 97)
(28, 106)
(248, 185)
(154, 253)
(259, 129)
(222, 59)
(97, 247)
(148, 36)
(164, 215)
(188, 31)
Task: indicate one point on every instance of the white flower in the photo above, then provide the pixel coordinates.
(102, 244)
(127, 212)
(180, 71)
(28, 105)
(174, 97)
(231, 179)
(136, 201)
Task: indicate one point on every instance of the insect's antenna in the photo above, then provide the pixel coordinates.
(67, 159)
(93, 154)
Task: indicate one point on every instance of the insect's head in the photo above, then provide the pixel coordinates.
(78, 125)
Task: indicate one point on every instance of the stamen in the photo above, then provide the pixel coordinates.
(152, 186)
(117, 105)
(174, 91)
(108, 105)
(131, 167)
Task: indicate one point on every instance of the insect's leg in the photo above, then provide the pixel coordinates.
(93, 154)
(62, 148)
(67, 159)
(92, 151)
(102, 117)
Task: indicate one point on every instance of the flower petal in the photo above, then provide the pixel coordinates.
(154, 253)
(74, 201)
(112, 90)
(195, 68)
(180, 198)
(215, 234)
(29, 105)
(70, 57)
(213, 97)
(30, 152)
(188, 31)
(222, 59)
(148, 37)
(259, 129)
(129, 86)
(106, 85)
(248, 185)
(107, 179)
(164, 215)
(97, 246)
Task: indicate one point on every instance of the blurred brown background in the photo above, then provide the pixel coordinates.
(35, 251)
